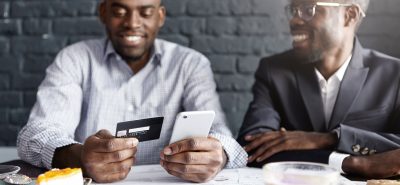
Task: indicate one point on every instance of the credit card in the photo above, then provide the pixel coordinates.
(143, 130)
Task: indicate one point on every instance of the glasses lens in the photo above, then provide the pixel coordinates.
(307, 12)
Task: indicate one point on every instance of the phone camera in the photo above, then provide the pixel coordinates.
(184, 117)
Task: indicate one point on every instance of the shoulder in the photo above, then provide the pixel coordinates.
(377, 60)
(82, 54)
(284, 60)
(94, 46)
(77, 58)
(175, 54)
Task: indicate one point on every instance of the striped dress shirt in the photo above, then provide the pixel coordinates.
(89, 88)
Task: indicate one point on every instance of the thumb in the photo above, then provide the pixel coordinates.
(104, 134)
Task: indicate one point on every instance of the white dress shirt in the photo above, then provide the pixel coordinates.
(329, 92)
(89, 88)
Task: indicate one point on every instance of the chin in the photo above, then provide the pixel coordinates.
(132, 56)
(307, 56)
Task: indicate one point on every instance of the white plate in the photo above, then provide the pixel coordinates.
(8, 169)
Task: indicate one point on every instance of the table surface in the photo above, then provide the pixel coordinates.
(156, 175)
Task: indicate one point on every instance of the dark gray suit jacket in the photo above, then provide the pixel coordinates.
(367, 109)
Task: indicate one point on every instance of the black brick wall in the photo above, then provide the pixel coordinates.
(234, 34)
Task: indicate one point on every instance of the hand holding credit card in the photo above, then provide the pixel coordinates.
(143, 130)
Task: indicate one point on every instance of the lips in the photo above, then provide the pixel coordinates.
(301, 38)
(132, 40)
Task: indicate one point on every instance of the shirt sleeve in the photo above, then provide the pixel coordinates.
(200, 94)
(56, 113)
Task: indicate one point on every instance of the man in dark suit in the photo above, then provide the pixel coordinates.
(328, 94)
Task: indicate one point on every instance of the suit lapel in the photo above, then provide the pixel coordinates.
(311, 94)
(352, 83)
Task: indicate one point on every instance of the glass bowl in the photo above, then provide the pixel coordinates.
(299, 173)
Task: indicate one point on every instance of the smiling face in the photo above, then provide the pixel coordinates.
(132, 26)
(324, 33)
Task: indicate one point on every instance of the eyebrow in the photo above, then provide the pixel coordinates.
(120, 5)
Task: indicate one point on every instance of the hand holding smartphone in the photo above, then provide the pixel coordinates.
(192, 124)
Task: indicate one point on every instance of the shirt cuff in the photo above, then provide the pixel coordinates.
(236, 155)
(336, 160)
(337, 132)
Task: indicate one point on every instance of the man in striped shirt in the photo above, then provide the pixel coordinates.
(93, 85)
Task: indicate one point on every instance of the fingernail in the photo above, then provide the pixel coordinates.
(162, 156)
(248, 137)
(249, 158)
(244, 148)
(134, 142)
(167, 151)
(259, 159)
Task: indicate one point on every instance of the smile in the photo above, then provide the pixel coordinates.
(133, 38)
(299, 37)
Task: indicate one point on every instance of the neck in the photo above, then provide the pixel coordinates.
(333, 60)
(138, 64)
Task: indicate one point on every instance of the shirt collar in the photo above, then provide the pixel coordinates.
(339, 74)
(156, 53)
(342, 70)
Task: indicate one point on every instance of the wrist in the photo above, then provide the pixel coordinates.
(330, 140)
(224, 159)
(348, 164)
(67, 156)
(353, 164)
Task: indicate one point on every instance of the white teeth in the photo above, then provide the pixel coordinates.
(299, 38)
(133, 38)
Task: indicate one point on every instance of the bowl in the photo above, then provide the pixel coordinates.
(299, 173)
(7, 170)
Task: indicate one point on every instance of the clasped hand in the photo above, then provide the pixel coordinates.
(267, 144)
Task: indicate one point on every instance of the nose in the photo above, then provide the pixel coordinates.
(296, 20)
(133, 21)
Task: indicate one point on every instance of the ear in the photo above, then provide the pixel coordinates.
(162, 13)
(102, 12)
(352, 16)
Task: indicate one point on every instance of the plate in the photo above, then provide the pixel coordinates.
(86, 181)
(8, 169)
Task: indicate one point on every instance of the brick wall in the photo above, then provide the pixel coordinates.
(234, 34)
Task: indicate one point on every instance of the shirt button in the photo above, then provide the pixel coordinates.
(356, 148)
(365, 151)
(130, 108)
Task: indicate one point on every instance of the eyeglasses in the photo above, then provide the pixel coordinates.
(307, 11)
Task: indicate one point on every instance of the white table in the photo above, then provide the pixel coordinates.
(155, 174)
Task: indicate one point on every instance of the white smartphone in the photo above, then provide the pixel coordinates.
(192, 124)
